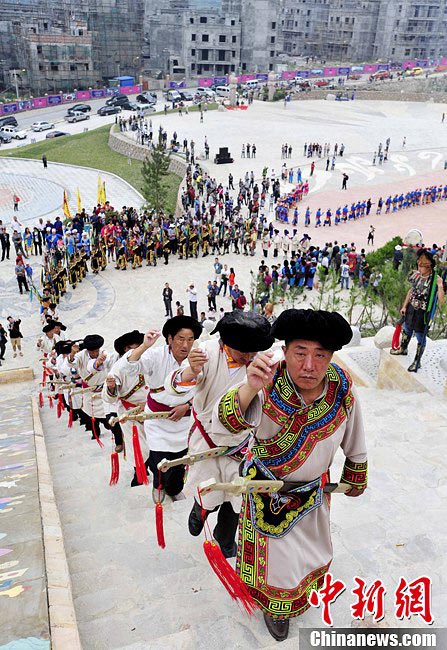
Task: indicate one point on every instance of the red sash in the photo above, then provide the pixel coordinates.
(199, 426)
(156, 407)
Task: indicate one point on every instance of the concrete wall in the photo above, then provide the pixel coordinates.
(121, 144)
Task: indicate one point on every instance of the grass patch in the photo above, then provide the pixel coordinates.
(91, 149)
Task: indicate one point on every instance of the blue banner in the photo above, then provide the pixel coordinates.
(10, 108)
(54, 100)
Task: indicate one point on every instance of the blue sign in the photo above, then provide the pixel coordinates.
(317, 72)
(54, 100)
(302, 73)
(10, 108)
(220, 81)
(344, 70)
(383, 66)
(422, 64)
(25, 105)
(97, 93)
(263, 76)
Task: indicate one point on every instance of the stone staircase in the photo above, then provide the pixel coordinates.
(129, 594)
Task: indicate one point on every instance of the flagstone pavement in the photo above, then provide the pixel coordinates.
(41, 190)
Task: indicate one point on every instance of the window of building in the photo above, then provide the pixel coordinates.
(307, 23)
(234, 39)
(193, 37)
(337, 19)
(233, 54)
(308, 12)
(204, 55)
(244, 66)
(393, 50)
(205, 38)
(45, 25)
(221, 55)
(193, 66)
(73, 67)
(222, 38)
(54, 67)
(272, 53)
(81, 32)
(86, 66)
(233, 22)
(193, 52)
(203, 19)
(41, 67)
(232, 68)
(191, 20)
(273, 25)
(272, 39)
(407, 52)
(39, 49)
(270, 67)
(346, 20)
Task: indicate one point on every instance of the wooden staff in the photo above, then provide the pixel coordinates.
(190, 459)
(141, 417)
(243, 485)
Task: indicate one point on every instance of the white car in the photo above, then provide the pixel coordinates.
(204, 93)
(42, 126)
(14, 132)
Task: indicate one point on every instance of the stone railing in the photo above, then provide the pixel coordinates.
(123, 145)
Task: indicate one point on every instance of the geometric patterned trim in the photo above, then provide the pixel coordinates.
(355, 474)
(230, 414)
(252, 566)
(302, 427)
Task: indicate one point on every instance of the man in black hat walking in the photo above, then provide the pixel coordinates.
(213, 368)
(166, 437)
(302, 410)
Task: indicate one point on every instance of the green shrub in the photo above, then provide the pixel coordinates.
(378, 257)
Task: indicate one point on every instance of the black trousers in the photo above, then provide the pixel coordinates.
(226, 527)
(23, 284)
(2, 350)
(173, 480)
(116, 429)
(193, 309)
(168, 307)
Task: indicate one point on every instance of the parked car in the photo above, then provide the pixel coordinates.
(117, 100)
(415, 72)
(55, 134)
(204, 93)
(355, 76)
(14, 132)
(76, 116)
(109, 110)
(173, 96)
(5, 138)
(381, 74)
(143, 106)
(8, 120)
(186, 95)
(79, 108)
(320, 83)
(442, 67)
(42, 126)
(147, 96)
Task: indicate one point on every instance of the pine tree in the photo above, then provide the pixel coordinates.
(154, 169)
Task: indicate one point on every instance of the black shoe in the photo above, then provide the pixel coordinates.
(195, 520)
(278, 628)
(229, 551)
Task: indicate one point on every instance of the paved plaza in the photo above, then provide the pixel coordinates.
(129, 594)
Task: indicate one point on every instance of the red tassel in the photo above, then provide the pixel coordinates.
(140, 467)
(60, 405)
(159, 525)
(70, 419)
(115, 462)
(101, 444)
(44, 375)
(41, 399)
(395, 343)
(50, 399)
(228, 577)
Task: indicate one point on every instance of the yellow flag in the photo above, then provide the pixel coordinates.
(65, 207)
(79, 202)
(99, 192)
(104, 196)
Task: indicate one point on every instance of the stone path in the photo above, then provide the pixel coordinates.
(23, 594)
(41, 190)
(128, 593)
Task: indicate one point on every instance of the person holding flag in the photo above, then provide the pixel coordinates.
(419, 306)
